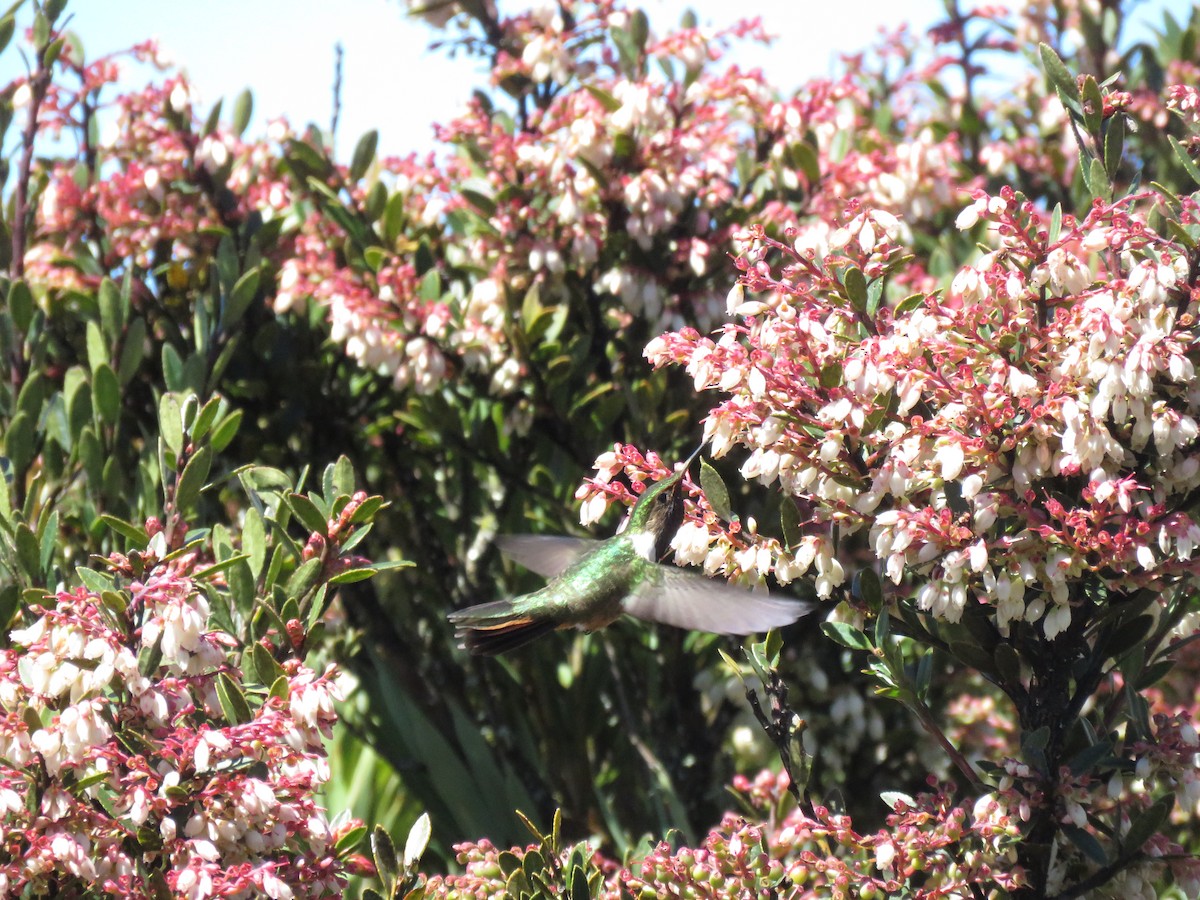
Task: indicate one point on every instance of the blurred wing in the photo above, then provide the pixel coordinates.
(684, 599)
(548, 555)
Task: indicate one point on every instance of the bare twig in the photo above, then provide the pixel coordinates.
(785, 729)
(925, 716)
(39, 84)
(339, 53)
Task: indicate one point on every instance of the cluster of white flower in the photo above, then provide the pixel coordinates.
(175, 617)
(945, 445)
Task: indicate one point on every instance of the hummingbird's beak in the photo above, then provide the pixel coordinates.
(691, 459)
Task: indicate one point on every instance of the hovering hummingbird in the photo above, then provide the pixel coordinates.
(594, 582)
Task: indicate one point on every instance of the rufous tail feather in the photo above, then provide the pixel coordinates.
(492, 628)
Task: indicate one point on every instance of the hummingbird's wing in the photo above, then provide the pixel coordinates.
(675, 596)
(548, 555)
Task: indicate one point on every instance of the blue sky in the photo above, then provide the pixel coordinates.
(284, 51)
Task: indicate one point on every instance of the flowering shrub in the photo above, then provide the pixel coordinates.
(146, 784)
(929, 847)
(160, 729)
(959, 354)
(1017, 451)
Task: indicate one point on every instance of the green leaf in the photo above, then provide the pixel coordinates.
(1035, 740)
(132, 533)
(1128, 635)
(831, 374)
(789, 520)
(213, 120)
(639, 29)
(228, 563)
(1189, 165)
(348, 842)
(192, 479)
(418, 840)
(341, 477)
(364, 154)
(20, 298)
(866, 584)
(1087, 758)
(52, 52)
(538, 837)
(303, 578)
(1097, 180)
(78, 392)
(856, 288)
(243, 108)
(556, 832)
(973, 655)
(608, 101)
(349, 576)
(97, 346)
(846, 635)
(91, 455)
(1086, 842)
(385, 855)
(1093, 105)
(29, 554)
(10, 598)
(19, 442)
(96, 582)
(1154, 673)
(149, 658)
(254, 540)
(908, 304)
(894, 798)
(306, 511)
(172, 364)
(133, 350)
(479, 199)
(805, 158)
(714, 489)
(1114, 145)
(234, 707)
(392, 565)
(579, 885)
(376, 201)
(204, 419)
(279, 690)
(33, 395)
(225, 431)
(772, 644)
(267, 669)
(1008, 664)
(7, 26)
(170, 421)
(239, 299)
(1056, 217)
(1060, 77)
(41, 30)
(109, 300)
(375, 257)
(394, 216)
(531, 307)
(1147, 824)
(53, 9)
(107, 394)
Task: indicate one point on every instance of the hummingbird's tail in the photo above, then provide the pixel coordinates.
(492, 628)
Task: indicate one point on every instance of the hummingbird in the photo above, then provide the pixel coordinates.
(593, 583)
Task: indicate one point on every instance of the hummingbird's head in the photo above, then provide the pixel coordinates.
(659, 511)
